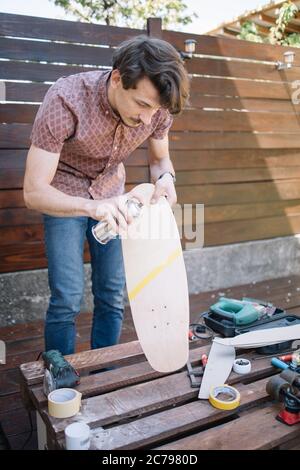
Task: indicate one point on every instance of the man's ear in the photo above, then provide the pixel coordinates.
(116, 79)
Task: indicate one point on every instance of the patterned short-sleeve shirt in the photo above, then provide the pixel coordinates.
(77, 121)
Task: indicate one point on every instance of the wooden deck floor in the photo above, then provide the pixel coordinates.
(25, 342)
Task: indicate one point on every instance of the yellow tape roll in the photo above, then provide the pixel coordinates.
(64, 402)
(233, 394)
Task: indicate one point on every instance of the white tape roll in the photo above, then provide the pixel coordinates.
(64, 402)
(77, 436)
(242, 366)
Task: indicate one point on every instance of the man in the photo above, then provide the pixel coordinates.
(86, 127)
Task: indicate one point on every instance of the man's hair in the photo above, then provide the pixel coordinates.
(159, 61)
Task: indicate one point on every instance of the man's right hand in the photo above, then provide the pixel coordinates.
(113, 211)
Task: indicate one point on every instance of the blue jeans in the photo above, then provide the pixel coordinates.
(64, 239)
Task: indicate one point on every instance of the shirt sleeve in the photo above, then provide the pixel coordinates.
(163, 126)
(54, 122)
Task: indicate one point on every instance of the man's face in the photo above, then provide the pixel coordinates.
(135, 106)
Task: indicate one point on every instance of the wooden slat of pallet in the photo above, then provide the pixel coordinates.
(135, 400)
(52, 29)
(105, 382)
(87, 361)
(99, 384)
(171, 423)
(263, 432)
(200, 302)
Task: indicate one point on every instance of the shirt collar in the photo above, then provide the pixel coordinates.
(103, 95)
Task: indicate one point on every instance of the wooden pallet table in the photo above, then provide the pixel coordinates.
(134, 407)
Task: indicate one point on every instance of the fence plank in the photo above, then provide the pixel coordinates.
(231, 140)
(37, 72)
(191, 160)
(200, 120)
(14, 178)
(54, 52)
(198, 100)
(243, 88)
(24, 256)
(16, 158)
(224, 194)
(240, 69)
(59, 30)
(210, 86)
(224, 47)
(191, 119)
(17, 136)
(35, 92)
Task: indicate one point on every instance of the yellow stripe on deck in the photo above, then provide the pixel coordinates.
(140, 285)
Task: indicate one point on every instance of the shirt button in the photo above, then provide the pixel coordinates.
(106, 112)
(116, 147)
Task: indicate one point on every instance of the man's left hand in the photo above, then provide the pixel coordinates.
(165, 187)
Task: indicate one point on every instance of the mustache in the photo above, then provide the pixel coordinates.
(136, 121)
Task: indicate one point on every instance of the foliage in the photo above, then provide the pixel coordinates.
(277, 34)
(129, 13)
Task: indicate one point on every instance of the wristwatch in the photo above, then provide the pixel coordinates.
(165, 173)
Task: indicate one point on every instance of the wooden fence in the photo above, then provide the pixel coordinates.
(235, 149)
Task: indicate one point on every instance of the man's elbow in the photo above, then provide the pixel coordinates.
(31, 196)
(27, 196)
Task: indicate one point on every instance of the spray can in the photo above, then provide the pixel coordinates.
(101, 231)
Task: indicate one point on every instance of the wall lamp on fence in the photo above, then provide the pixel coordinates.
(288, 58)
(189, 49)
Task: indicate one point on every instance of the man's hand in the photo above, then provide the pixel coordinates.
(113, 211)
(165, 187)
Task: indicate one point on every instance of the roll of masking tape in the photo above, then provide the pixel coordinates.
(64, 402)
(224, 397)
(242, 366)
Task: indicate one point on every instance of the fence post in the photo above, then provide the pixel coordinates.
(154, 27)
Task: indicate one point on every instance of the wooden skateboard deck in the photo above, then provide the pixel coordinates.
(157, 284)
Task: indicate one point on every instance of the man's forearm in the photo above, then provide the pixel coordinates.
(51, 201)
(160, 166)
